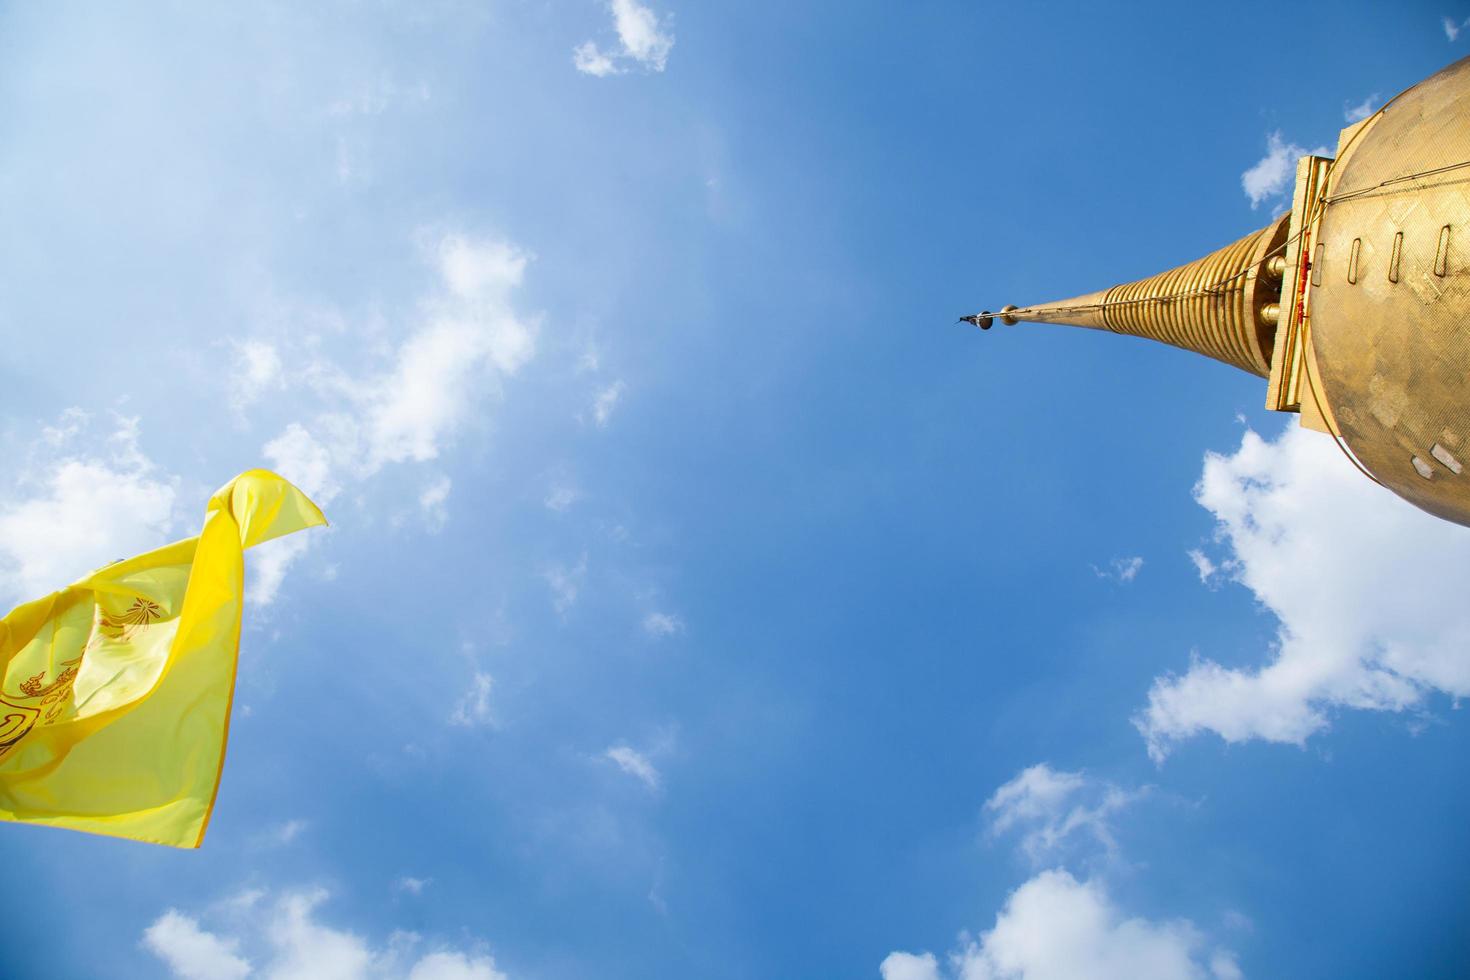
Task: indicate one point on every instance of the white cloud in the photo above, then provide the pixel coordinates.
(1316, 541)
(1206, 568)
(471, 336)
(662, 624)
(300, 458)
(1271, 176)
(296, 455)
(290, 830)
(304, 948)
(454, 966)
(432, 503)
(642, 40)
(474, 708)
(639, 31)
(243, 901)
(1055, 927)
(566, 584)
(256, 370)
(907, 966)
(590, 360)
(291, 943)
(190, 952)
(82, 508)
(1224, 967)
(412, 885)
(606, 401)
(1120, 569)
(1453, 28)
(468, 339)
(1361, 111)
(1049, 807)
(69, 425)
(591, 61)
(635, 764)
(560, 497)
(286, 832)
(267, 566)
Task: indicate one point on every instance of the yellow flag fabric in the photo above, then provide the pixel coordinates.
(115, 692)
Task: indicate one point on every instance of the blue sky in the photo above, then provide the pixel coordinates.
(699, 600)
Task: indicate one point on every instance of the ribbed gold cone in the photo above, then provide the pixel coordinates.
(1215, 306)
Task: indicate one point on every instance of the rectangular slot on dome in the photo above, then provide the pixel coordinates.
(1317, 264)
(1353, 261)
(1393, 260)
(1442, 256)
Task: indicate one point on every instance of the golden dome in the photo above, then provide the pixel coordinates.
(1388, 323)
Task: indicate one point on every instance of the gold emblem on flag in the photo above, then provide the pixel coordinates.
(142, 612)
(15, 721)
(40, 702)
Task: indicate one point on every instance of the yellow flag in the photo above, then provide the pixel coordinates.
(115, 692)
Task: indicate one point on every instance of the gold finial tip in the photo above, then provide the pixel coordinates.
(1005, 316)
(983, 319)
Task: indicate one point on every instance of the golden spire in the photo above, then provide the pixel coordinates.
(1223, 306)
(1355, 306)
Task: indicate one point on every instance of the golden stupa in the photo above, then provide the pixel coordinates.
(1355, 306)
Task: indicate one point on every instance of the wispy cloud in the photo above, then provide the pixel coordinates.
(1361, 111)
(1120, 569)
(643, 41)
(605, 402)
(433, 501)
(412, 885)
(257, 370)
(288, 831)
(560, 497)
(1270, 176)
(473, 708)
(300, 458)
(1049, 807)
(1206, 567)
(590, 360)
(467, 340)
(662, 624)
(589, 60)
(565, 584)
(635, 764)
(1453, 28)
